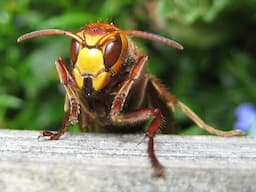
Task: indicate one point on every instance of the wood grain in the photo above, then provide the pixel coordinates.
(108, 162)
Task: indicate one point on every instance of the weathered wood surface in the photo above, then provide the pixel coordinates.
(116, 163)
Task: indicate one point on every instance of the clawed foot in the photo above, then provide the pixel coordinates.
(159, 172)
(51, 135)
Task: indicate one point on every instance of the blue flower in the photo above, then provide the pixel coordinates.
(246, 118)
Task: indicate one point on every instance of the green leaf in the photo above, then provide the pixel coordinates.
(9, 101)
(69, 20)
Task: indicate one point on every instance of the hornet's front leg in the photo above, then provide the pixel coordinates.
(119, 118)
(72, 105)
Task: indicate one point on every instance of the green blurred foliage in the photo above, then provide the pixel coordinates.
(214, 73)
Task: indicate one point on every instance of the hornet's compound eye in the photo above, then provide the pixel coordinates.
(112, 51)
(74, 50)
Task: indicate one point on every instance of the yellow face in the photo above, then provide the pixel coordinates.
(90, 63)
(100, 58)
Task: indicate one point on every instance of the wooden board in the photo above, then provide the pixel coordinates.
(107, 162)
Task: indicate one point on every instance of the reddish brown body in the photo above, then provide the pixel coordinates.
(107, 85)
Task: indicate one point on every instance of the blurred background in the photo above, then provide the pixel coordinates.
(213, 74)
